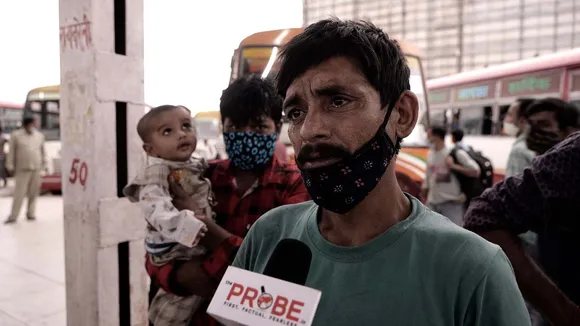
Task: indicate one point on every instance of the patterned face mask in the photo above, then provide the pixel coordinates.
(341, 186)
(249, 151)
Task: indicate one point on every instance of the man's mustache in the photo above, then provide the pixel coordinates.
(320, 151)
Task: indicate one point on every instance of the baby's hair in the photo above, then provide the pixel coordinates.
(143, 126)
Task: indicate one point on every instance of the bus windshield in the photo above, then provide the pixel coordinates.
(10, 118)
(262, 60)
(44, 106)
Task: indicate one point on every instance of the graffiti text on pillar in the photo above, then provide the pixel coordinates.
(76, 35)
(78, 171)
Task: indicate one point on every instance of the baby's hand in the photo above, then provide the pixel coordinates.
(202, 218)
(201, 234)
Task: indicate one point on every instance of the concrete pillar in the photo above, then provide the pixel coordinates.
(101, 102)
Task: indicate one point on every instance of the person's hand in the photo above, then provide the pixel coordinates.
(181, 200)
(201, 234)
(215, 234)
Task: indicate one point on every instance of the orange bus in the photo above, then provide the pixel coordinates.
(257, 54)
(477, 101)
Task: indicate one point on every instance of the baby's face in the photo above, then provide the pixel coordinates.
(172, 136)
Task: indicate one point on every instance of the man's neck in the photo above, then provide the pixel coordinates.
(240, 174)
(370, 218)
(245, 179)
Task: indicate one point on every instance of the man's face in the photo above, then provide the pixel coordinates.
(261, 125)
(30, 126)
(512, 113)
(430, 137)
(544, 120)
(333, 111)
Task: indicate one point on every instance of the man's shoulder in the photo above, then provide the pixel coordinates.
(460, 152)
(286, 218)
(39, 134)
(459, 247)
(17, 133)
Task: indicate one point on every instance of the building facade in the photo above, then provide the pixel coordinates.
(461, 35)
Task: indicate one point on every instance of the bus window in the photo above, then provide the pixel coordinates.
(502, 113)
(476, 120)
(487, 127)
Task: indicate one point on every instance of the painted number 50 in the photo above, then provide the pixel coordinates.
(78, 171)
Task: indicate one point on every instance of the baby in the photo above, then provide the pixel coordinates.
(169, 139)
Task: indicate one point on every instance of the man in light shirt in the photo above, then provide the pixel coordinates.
(26, 159)
(514, 125)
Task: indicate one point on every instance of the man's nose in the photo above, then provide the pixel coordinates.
(315, 126)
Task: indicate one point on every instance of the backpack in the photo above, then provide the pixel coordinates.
(474, 187)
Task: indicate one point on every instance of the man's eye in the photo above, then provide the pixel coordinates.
(166, 132)
(338, 102)
(294, 114)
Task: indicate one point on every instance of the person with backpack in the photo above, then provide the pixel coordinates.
(445, 167)
(472, 187)
(457, 138)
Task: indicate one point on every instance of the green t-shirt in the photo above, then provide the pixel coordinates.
(424, 271)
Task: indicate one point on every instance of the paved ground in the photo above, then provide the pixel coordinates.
(32, 289)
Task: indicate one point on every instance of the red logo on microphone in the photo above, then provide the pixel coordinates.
(265, 299)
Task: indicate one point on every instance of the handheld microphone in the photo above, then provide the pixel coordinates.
(277, 296)
(290, 262)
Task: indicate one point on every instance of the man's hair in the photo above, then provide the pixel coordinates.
(524, 105)
(144, 124)
(248, 99)
(457, 134)
(378, 57)
(26, 121)
(567, 115)
(438, 131)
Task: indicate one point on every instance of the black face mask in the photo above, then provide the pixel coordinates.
(343, 185)
(540, 141)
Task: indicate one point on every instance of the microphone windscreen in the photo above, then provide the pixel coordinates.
(290, 261)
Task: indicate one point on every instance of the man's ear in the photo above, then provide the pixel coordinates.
(148, 149)
(408, 114)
